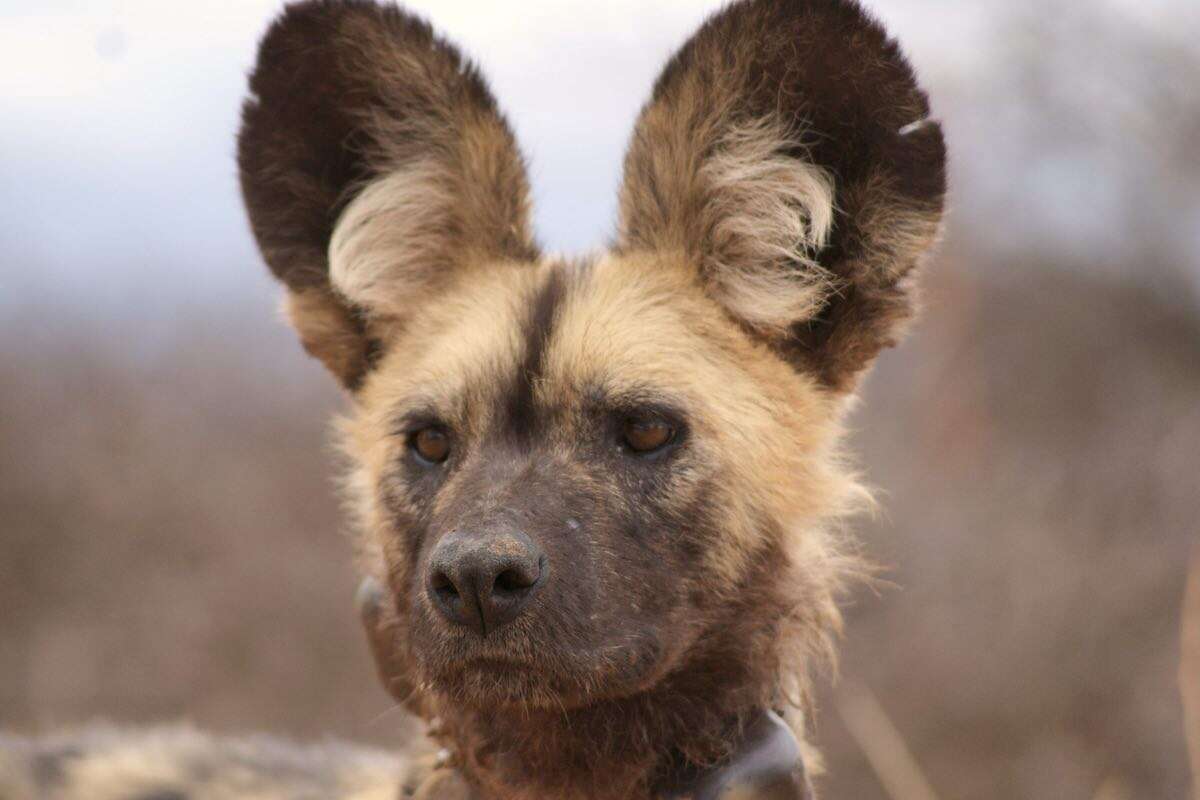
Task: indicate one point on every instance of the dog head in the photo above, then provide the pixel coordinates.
(580, 475)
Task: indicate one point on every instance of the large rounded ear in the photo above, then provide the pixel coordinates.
(374, 163)
(787, 153)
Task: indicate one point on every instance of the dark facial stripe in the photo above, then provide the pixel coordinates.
(520, 417)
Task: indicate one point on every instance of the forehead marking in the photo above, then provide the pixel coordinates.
(519, 414)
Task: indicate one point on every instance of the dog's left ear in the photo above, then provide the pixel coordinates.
(788, 155)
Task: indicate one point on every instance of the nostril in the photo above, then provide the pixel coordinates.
(512, 580)
(440, 582)
(519, 577)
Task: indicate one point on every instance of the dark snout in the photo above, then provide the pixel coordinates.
(484, 581)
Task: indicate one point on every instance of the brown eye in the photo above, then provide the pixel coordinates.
(645, 436)
(431, 444)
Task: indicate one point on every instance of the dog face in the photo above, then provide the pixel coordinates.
(598, 447)
(579, 475)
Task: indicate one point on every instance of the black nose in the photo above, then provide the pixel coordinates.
(484, 581)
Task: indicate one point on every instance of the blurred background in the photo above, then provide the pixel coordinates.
(170, 543)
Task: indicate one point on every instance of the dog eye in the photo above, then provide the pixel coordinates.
(431, 444)
(647, 435)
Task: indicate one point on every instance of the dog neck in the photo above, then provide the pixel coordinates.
(700, 728)
(765, 764)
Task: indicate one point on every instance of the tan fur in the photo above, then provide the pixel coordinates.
(638, 324)
(452, 188)
(328, 331)
(402, 129)
(387, 247)
(774, 215)
(109, 763)
(646, 324)
(749, 215)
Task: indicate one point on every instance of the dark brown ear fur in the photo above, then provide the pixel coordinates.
(345, 94)
(813, 258)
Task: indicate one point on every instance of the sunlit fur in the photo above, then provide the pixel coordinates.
(180, 763)
(771, 215)
(750, 215)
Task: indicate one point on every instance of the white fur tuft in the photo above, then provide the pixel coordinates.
(391, 241)
(772, 214)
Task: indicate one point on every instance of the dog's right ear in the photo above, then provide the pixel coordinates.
(374, 165)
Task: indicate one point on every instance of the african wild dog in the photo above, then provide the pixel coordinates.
(605, 494)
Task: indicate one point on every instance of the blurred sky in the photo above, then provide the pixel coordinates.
(116, 151)
(117, 124)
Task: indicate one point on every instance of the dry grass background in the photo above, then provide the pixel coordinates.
(1041, 496)
(1189, 667)
(171, 544)
(169, 535)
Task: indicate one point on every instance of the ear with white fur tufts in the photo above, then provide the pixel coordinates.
(374, 164)
(787, 152)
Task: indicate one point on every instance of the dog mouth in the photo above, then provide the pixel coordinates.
(544, 675)
(489, 682)
(491, 665)
(499, 668)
